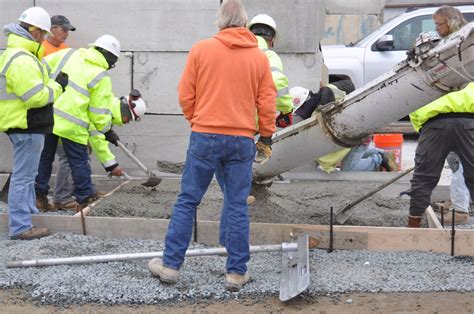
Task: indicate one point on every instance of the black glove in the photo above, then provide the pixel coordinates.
(112, 137)
(62, 79)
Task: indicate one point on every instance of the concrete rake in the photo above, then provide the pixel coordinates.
(295, 268)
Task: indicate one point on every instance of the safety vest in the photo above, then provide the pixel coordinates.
(88, 108)
(284, 103)
(24, 83)
(459, 101)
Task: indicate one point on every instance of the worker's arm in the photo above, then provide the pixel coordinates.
(100, 147)
(102, 106)
(266, 109)
(284, 103)
(187, 87)
(27, 82)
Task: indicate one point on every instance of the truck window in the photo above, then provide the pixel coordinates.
(404, 35)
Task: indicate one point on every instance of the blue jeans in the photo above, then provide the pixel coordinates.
(64, 186)
(222, 226)
(21, 195)
(206, 152)
(78, 162)
(362, 158)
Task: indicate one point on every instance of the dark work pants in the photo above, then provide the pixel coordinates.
(78, 162)
(438, 137)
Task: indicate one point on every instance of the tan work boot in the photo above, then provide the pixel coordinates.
(235, 282)
(66, 206)
(443, 206)
(43, 204)
(33, 233)
(414, 221)
(250, 199)
(165, 274)
(459, 218)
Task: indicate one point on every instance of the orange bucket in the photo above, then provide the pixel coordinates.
(391, 142)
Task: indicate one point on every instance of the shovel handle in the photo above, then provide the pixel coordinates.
(135, 159)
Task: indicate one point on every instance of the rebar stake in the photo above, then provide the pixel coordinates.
(331, 230)
(83, 223)
(442, 217)
(453, 233)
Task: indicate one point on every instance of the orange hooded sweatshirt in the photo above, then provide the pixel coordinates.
(226, 81)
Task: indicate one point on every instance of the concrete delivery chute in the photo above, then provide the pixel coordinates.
(390, 97)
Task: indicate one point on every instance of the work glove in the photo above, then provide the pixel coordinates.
(264, 150)
(284, 120)
(62, 79)
(453, 161)
(112, 137)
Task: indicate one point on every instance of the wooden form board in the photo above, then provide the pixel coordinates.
(380, 239)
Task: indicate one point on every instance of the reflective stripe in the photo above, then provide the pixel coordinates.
(282, 92)
(47, 66)
(109, 163)
(62, 63)
(3, 80)
(32, 92)
(94, 133)
(16, 55)
(3, 90)
(107, 127)
(51, 95)
(275, 69)
(70, 118)
(78, 89)
(96, 79)
(99, 110)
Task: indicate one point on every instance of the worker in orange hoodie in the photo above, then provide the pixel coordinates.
(227, 79)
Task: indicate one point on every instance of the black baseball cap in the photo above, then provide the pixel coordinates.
(61, 20)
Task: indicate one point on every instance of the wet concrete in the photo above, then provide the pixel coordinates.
(295, 202)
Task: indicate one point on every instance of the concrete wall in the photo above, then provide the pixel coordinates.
(156, 36)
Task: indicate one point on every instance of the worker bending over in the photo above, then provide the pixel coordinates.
(85, 114)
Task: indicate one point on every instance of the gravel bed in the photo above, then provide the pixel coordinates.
(202, 277)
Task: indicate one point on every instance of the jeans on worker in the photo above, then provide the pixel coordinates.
(459, 194)
(222, 226)
(64, 186)
(21, 195)
(78, 161)
(362, 158)
(437, 138)
(205, 153)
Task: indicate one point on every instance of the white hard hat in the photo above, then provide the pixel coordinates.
(109, 43)
(298, 95)
(138, 108)
(264, 19)
(38, 17)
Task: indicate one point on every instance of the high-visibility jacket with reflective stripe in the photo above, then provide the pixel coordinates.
(24, 83)
(283, 101)
(459, 101)
(88, 107)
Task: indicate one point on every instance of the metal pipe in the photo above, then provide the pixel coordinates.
(290, 247)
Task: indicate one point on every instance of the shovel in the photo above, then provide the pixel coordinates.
(294, 273)
(153, 179)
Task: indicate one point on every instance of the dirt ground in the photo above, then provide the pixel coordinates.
(15, 301)
(295, 202)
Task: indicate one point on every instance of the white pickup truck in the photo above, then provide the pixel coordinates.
(379, 51)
